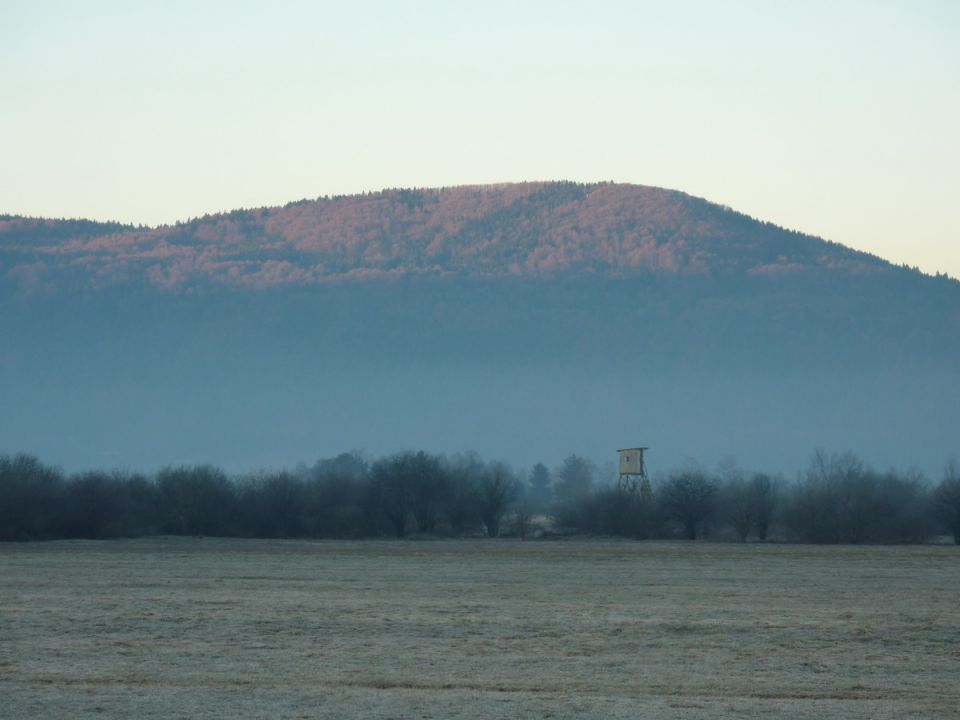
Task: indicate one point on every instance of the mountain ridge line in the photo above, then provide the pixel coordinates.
(529, 229)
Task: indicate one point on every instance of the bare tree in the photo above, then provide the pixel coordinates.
(197, 500)
(735, 503)
(523, 517)
(335, 506)
(737, 507)
(353, 465)
(842, 501)
(30, 493)
(428, 484)
(460, 501)
(828, 504)
(496, 490)
(618, 511)
(690, 498)
(946, 500)
(93, 503)
(389, 485)
(282, 499)
(764, 496)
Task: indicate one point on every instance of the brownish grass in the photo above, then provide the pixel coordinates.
(177, 628)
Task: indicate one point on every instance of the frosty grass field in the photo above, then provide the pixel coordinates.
(183, 628)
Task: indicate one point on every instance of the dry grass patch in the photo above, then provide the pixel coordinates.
(166, 628)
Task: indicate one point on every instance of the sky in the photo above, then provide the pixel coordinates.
(839, 119)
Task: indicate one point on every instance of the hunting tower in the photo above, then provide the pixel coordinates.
(633, 471)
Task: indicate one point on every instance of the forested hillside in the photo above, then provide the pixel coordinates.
(523, 321)
(529, 229)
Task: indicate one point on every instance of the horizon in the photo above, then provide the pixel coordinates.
(844, 131)
(298, 349)
(479, 186)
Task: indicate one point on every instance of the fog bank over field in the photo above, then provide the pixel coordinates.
(290, 379)
(433, 319)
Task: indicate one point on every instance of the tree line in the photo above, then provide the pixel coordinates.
(838, 499)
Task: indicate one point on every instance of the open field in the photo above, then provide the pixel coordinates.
(181, 628)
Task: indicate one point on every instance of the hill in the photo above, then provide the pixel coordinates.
(521, 230)
(524, 321)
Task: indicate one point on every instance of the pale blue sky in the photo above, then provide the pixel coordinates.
(836, 118)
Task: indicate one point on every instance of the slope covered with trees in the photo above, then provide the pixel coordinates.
(521, 321)
(528, 229)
